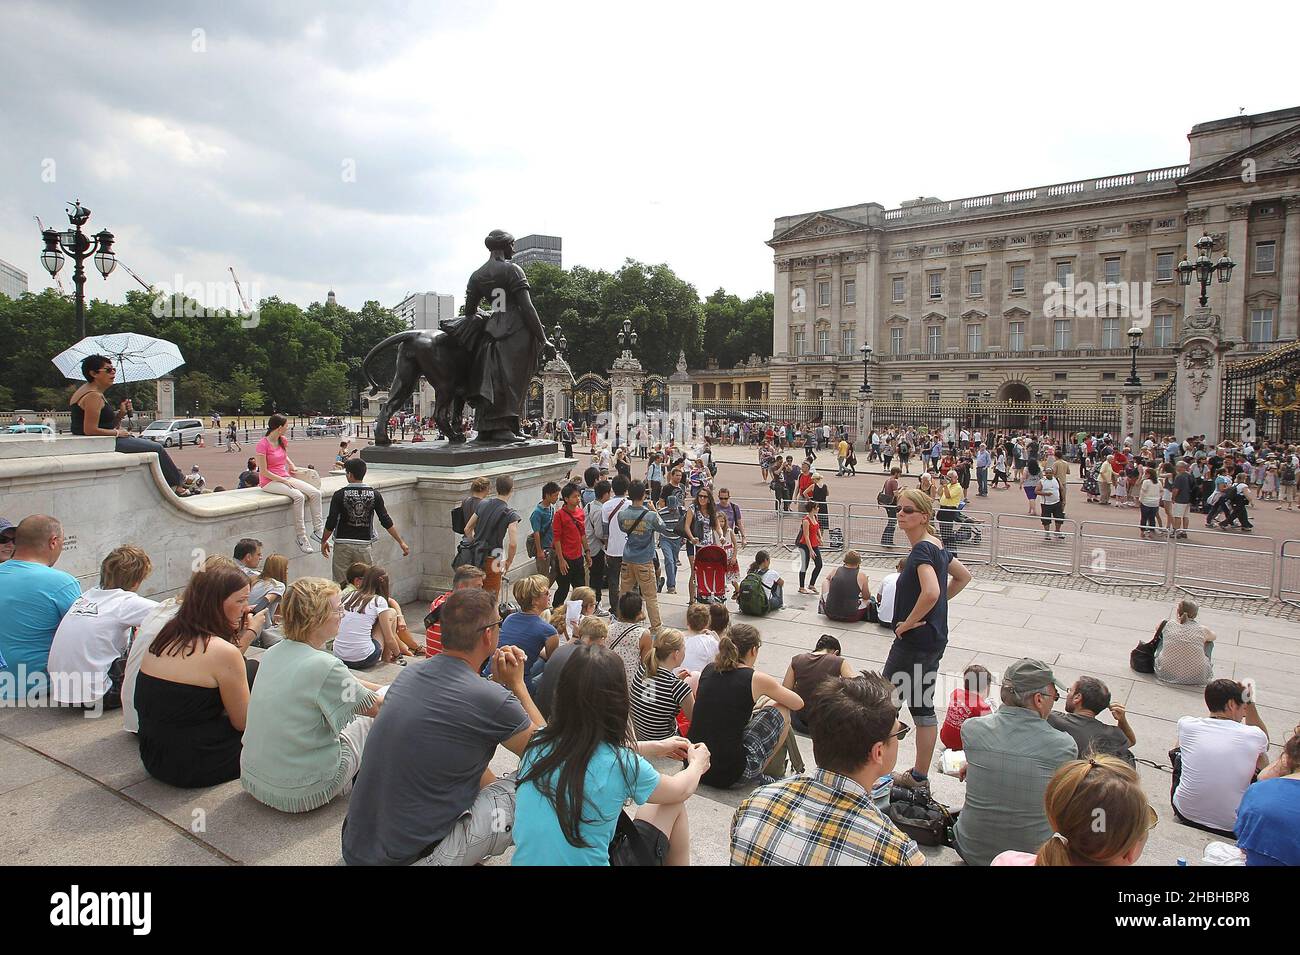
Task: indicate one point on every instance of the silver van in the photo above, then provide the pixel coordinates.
(175, 431)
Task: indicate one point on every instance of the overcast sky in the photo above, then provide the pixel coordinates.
(369, 147)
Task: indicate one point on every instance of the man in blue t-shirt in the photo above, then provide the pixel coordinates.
(33, 599)
(543, 525)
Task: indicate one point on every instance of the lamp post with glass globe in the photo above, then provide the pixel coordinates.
(78, 246)
(864, 400)
(1205, 268)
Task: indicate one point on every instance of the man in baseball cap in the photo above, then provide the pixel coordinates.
(1011, 755)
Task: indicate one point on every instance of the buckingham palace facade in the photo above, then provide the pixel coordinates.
(1032, 292)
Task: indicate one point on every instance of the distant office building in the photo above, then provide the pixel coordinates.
(422, 311)
(538, 248)
(13, 280)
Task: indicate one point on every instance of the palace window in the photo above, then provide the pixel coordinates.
(846, 342)
(798, 341)
(1063, 272)
(1061, 333)
(1107, 376)
(823, 341)
(823, 294)
(1110, 333)
(1265, 258)
(936, 285)
(934, 339)
(1060, 376)
(1112, 269)
(1017, 278)
(1261, 325)
(850, 292)
(1164, 266)
(974, 338)
(899, 287)
(975, 282)
(1016, 336)
(896, 341)
(1163, 328)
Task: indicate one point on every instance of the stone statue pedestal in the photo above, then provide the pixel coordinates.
(443, 474)
(1199, 395)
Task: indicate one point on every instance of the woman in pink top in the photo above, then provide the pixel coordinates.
(278, 477)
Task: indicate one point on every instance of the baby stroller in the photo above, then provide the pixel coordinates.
(711, 574)
(966, 530)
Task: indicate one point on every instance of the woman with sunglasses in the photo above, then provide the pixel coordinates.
(701, 528)
(931, 576)
(92, 416)
(809, 545)
(1081, 792)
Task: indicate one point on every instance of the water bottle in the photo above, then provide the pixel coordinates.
(1182, 862)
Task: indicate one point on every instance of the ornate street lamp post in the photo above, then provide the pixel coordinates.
(1204, 268)
(627, 339)
(76, 244)
(1134, 343)
(866, 360)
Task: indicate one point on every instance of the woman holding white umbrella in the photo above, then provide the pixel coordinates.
(93, 415)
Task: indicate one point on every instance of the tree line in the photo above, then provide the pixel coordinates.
(308, 360)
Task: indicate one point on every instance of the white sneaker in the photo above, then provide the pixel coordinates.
(305, 546)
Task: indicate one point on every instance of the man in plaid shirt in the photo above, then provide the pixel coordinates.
(826, 817)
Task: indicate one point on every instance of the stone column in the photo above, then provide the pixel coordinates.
(626, 380)
(1199, 384)
(781, 308)
(1289, 317)
(864, 421)
(555, 378)
(166, 391)
(1132, 425)
(1234, 294)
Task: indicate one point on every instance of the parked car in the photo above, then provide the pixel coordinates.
(324, 427)
(174, 431)
(30, 429)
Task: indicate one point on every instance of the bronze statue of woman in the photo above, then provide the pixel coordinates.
(505, 340)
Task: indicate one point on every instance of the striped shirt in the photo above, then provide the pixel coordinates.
(817, 818)
(655, 703)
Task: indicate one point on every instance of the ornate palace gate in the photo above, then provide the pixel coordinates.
(590, 398)
(1261, 397)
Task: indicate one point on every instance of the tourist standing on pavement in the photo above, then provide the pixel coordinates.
(569, 528)
(930, 577)
(1049, 499)
(982, 462)
(353, 508)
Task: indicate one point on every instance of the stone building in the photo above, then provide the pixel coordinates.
(1033, 290)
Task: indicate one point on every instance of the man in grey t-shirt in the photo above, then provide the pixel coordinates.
(424, 792)
(1088, 697)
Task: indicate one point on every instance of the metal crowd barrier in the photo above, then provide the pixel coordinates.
(765, 523)
(1110, 554)
(873, 532)
(1024, 547)
(1288, 577)
(1206, 565)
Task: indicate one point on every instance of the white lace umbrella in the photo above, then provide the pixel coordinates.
(137, 357)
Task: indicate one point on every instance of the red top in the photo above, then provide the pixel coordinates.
(961, 706)
(569, 529)
(805, 480)
(812, 531)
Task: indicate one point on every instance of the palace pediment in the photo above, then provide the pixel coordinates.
(819, 225)
(1279, 153)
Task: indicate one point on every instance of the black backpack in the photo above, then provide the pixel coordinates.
(921, 816)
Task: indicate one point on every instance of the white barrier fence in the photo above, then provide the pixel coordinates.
(1204, 563)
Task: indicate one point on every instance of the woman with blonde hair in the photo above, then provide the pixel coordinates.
(1082, 792)
(268, 588)
(658, 693)
(741, 714)
(930, 577)
(308, 720)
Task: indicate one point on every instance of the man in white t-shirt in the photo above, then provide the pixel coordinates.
(1217, 758)
(885, 599)
(88, 657)
(614, 538)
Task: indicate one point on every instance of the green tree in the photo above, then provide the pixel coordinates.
(6, 398)
(198, 393)
(326, 391)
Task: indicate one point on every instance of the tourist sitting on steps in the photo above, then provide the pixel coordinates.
(846, 594)
(309, 717)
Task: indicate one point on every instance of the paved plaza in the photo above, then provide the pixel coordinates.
(74, 791)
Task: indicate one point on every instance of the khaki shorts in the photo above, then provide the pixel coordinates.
(1179, 510)
(485, 830)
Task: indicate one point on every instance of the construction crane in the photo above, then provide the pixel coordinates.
(57, 281)
(131, 272)
(243, 301)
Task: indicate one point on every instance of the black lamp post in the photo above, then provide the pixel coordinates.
(1204, 268)
(866, 349)
(1134, 343)
(76, 244)
(627, 339)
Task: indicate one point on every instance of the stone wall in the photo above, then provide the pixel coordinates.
(105, 499)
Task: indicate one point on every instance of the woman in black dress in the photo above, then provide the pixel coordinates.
(931, 576)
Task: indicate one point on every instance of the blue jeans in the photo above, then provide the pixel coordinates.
(982, 475)
(670, 548)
